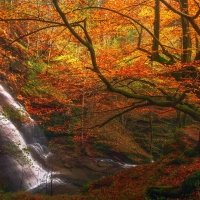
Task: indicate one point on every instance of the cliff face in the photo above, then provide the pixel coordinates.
(10, 175)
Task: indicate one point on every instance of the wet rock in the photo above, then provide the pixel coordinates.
(67, 165)
(104, 164)
(102, 183)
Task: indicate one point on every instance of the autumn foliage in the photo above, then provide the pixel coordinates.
(171, 171)
(78, 65)
(72, 50)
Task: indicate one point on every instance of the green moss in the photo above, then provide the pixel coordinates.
(178, 161)
(101, 147)
(13, 114)
(86, 186)
(163, 60)
(156, 192)
(190, 152)
(185, 189)
(191, 183)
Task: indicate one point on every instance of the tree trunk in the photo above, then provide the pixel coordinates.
(151, 135)
(181, 118)
(197, 57)
(197, 148)
(155, 45)
(186, 39)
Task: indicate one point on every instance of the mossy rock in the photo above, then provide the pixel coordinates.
(156, 192)
(190, 152)
(191, 183)
(86, 186)
(185, 189)
(178, 161)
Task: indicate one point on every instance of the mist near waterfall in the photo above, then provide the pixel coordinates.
(24, 148)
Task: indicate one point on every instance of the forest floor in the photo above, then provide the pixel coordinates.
(179, 162)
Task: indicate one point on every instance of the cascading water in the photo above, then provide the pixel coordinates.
(22, 160)
(24, 153)
(23, 156)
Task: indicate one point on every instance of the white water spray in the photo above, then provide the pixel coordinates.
(31, 172)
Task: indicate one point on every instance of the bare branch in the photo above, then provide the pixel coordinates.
(33, 32)
(174, 10)
(141, 25)
(135, 105)
(31, 19)
(189, 18)
(67, 24)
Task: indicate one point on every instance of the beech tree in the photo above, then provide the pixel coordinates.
(178, 98)
(147, 52)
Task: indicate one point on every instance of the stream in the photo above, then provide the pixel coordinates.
(24, 157)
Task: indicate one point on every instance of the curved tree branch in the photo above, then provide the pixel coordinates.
(134, 105)
(67, 24)
(165, 52)
(174, 103)
(33, 32)
(189, 18)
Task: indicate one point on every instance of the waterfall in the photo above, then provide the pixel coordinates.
(24, 156)
(23, 149)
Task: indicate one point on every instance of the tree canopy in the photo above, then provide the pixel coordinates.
(84, 51)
